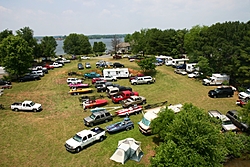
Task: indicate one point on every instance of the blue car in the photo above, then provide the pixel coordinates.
(92, 75)
(126, 124)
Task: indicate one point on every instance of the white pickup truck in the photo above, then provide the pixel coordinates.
(26, 106)
(226, 123)
(84, 138)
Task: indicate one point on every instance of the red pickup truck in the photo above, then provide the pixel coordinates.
(123, 95)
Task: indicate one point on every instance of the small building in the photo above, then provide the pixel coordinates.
(123, 47)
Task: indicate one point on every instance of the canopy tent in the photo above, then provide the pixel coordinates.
(128, 148)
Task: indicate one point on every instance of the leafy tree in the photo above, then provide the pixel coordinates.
(15, 55)
(99, 47)
(189, 139)
(115, 41)
(245, 113)
(128, 38)
(27, 34)
(77, 44)
(48, 46)
(147, 64)
(138, 41)
(5, 33)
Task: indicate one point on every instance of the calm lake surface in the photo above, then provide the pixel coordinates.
(107, 41)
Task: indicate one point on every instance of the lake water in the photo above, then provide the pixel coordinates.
(107, 41)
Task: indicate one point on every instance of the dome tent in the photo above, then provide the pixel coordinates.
(128, 148)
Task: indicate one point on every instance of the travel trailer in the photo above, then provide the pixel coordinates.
(190, 67)
(176, 62)
(116, 72)
(151, 114)
(216, 79)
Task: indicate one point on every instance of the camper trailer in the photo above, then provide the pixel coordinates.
(177, 62)
(116, 72)
(151, 114)
(216, 79)
(164, 58)
(190, 67)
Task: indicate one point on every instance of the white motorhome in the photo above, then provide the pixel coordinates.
(176, 62)
(151, 114)
(216, 79)
(164, 58)
(190, 67)
(116, 72)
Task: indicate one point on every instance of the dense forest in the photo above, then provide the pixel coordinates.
(219, 48)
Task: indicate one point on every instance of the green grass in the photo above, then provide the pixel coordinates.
(37, 139)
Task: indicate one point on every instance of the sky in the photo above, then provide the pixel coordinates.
(92, 17)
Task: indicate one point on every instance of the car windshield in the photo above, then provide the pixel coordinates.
(248, 92)
(32, 104)
(145, 121)
(92, 116)
(217, 90)
(77, 138)
(227, 122)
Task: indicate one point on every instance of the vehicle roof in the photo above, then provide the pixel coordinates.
(214, 113)
(84, 133)
(100, 112)
(152, 113)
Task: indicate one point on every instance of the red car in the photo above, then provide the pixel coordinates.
(133, 77)
(117, 57)
(242, 102)
(49, 67)
(123, 96)
(97, 79)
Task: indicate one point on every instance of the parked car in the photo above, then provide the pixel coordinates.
(195, 74)
(78, 91)
(123, 95)
(116, 56)
(80, 66)
(84, 138)
(56, 65)
(109, 78)
(92, 75)
(133, 100)
(244, 95)
(142, 80)
(126, 124)
(26, 105)
(180, 71)
(242, 102)
(74, 81)
(134, 76)
(38, 72)
(234, 117)
(49, 67)
(4, 82)
(94, 80)
(29, 78)
(116, 64)
(98, 117)
(222, 91)
(85, 57)
(87, 65)
(94, 103)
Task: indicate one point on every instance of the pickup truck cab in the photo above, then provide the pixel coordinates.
(56, 65)
(142, 80)
(109, 78)
(84, 138)
(74, 81)
(123, 96)
(26, 106)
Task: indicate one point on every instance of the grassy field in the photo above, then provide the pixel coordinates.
(37, 139)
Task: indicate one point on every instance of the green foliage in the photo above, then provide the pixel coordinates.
(5, 33)
(27, 34)
(99, 47)
(147, 64)
(48, 46)
(245, 113)
(189, 139)
(15, 55)
(77, 44)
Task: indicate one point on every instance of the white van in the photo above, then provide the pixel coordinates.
(176, 62)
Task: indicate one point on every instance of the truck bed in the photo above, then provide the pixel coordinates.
(17, 104)
(97, 130)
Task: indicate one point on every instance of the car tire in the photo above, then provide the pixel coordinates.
(144, 102)
(16, 109)
(78, 149)
(214, 96)
(34, 110)
(91, 124)
(106, 120)
(148, 82)
(127, 128)
(134, 83)
(101, 139)
(243, 129)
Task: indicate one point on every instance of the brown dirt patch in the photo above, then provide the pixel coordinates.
(150, 153)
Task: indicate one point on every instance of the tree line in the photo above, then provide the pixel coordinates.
(219, 48)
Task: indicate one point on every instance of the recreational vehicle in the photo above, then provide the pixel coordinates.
(216, 79)
(191, 67)
(116, 72)
(151, 114)
(176, 62)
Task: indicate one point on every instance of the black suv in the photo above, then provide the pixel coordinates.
(80, 66)
(4, 82)
(116, 64)
(29, 78)
(221, 92)
(233, 116)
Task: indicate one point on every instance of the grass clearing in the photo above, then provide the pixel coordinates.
(37, 139)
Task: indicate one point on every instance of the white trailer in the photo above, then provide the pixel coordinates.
(116, 72)
(216, 79)
(176, 62)
(190, 67)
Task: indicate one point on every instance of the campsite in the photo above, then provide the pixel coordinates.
(26, 136)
